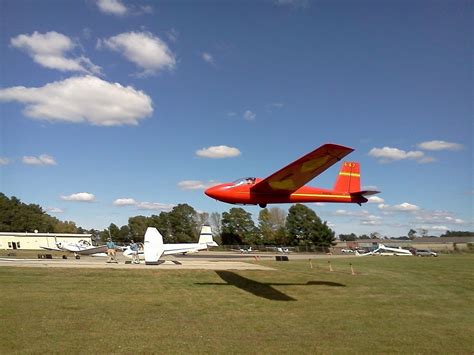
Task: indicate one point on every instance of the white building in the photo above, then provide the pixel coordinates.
(34, 241)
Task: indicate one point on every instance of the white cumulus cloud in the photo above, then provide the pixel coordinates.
(125, 202)
(207, 57)
(54, 210)
(195, 184)
(249, 115)
(79, 197)
(403, 207)
(4, 161)
(112, 7)
(439, 145)
(154, 206)
(50, 51)
(143, 49)
(375, 199)
(43, 159)
(82, 99)
(217, 152)
(389, 154)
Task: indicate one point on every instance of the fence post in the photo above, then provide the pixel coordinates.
(352, 269)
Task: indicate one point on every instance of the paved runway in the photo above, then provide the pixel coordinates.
(206, 260)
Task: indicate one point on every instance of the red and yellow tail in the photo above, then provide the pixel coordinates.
(348, 179)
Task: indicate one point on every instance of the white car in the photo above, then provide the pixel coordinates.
(425, 252)
(347, 250)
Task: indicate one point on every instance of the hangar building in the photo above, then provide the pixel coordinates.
(34, 241)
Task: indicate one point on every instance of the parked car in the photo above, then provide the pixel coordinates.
(347, 250)
(425, 252)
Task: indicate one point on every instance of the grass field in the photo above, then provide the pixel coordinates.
(392, 305)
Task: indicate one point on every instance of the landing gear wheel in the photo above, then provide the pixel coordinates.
(262, 205)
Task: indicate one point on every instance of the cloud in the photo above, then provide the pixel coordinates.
(342, 212)
(82, 99)
(196, 184)
(43, 159)
(438, 217)
(207, 57)
(403, 207)
(151, 206)
(388, 154)
(439, 145)
(375, 199)
(218, 152)
(172, 35)
(371, 220)
(49, 50)
(143, 49)
(4, 161)
(125, 202)
(79, 197)
(155, 206)
(274, 106)
(112, 7)
(54, 210)
(249, 115)
(293, 3)
(438, 228)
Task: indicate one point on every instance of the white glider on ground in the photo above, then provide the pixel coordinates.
(154, 247)
(82, 247)
(386, 251)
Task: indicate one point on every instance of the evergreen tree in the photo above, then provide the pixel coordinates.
(305, 228)
(238, 227)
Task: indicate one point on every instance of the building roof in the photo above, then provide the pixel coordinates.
(28, 234)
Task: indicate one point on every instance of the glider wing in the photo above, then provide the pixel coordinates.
(303, 170)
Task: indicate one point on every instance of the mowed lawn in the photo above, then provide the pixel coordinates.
(392, 305)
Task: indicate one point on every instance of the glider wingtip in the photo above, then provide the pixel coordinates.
(338, 146)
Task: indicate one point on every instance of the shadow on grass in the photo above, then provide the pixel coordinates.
(263, 289)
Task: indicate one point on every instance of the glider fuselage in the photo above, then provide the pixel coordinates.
(242, 194)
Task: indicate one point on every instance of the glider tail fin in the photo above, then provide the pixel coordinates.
(348, 179)
(153, 246)
(206, 236)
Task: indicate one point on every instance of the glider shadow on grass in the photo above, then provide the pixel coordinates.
(263, 289)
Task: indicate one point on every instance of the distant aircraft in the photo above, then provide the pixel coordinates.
(82, 247)
(155, 248)
(386, 251)
(245, 250)
(287, 185)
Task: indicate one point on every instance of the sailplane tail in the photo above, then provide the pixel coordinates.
(348, 179)
(206, 236)
(153, 246)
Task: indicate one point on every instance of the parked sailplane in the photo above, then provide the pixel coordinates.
(384, 250)
(82, 247)
(287, 185)
(154, 247)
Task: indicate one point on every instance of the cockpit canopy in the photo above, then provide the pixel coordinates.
(243, 181)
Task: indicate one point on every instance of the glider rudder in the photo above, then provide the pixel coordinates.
(153, 246)
(348, 179)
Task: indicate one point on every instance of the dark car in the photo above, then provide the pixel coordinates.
(425, 252)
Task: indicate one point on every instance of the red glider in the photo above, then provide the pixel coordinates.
(287, 185)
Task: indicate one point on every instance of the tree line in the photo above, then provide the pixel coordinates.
(300, 226)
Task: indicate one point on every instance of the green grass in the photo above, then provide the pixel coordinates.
(392, 305)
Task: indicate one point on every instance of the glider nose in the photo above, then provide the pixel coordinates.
(213, 192)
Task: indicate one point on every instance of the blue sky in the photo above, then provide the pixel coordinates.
(111, 109)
